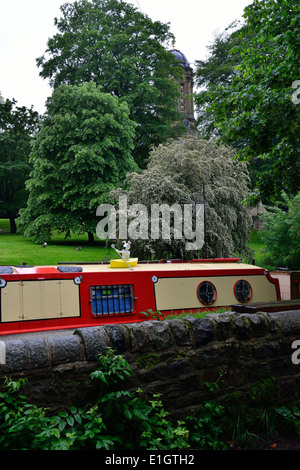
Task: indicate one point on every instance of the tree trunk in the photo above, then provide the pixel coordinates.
(91, 237)
(13, 227)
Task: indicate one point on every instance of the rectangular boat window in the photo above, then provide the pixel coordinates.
(110, 300)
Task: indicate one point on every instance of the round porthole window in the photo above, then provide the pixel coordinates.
(242, 291)
(207, 293)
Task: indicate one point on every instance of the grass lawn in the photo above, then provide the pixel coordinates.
(15, 249)
(257, 245)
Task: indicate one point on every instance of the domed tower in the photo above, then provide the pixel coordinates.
(186, 102)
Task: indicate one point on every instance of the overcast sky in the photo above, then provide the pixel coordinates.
(26, 26)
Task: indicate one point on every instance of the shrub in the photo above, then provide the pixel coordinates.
(282, 237)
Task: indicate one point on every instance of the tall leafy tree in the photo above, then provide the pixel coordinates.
(124, 51)
(217, 70)
(255, 112)
(82, 151)
(17, 126)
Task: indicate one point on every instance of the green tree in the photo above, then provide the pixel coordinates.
(191, 169)
(125, 52)
(255, 112)
(81, 152)
(17, 126)
(217, 70)
(282, 237)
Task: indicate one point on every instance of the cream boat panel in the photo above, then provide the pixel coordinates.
(31, 300)
(181, 292)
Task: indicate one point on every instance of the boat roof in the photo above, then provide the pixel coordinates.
(217, 264)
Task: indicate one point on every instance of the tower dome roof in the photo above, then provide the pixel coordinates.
(181, 57)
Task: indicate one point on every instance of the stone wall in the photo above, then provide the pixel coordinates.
(172, 357)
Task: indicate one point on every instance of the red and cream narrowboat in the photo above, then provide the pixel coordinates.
(36, 298)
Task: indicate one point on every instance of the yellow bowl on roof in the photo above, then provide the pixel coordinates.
(120, 263)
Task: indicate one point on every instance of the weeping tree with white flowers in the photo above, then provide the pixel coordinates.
(191, 170)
